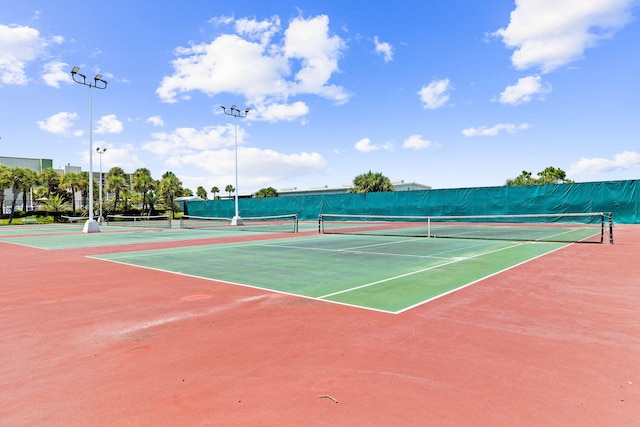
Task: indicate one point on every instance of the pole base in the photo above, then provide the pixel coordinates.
(91, 226)
(236, 220)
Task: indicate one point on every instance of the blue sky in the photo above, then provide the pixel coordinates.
(447, 93)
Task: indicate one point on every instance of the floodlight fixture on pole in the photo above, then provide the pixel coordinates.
(236, 113)
(91, 226)
(101, 151)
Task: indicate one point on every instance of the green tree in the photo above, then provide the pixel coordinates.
(83, 188)
(371, 182)
(550, 175)
(52, 180)
(170, 188)
(142, 182)
(6, 181)
(525, 178)
(56, 205)
(116, 184)
(214, 191)
(71, 182)
(153, 198)
(26, 179)
(553, 175)
(267, 192)
(201, 192)
(229, 189)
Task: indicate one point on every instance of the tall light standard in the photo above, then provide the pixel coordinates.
(101, 152)
(91, 226)
(236, 113)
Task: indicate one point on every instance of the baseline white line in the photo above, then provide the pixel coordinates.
(228, 282)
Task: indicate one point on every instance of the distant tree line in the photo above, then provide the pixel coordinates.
(56, 193)
(550, 175)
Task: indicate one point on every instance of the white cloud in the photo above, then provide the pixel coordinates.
(156, 121)
(19, 45)
(212, 150)
(221, 20)
(435, 95)
(188, 141)
(262, 31)
(494, 130)
(288, 112)
(365, 146)
(593, 166)
(256, 65)
(59, 123)
(384, 48)
(552, 33)
(525, 90)
(56, 72)
(416, 142)
(109, 124)
(124, 156)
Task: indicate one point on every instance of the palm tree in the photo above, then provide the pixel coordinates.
(153, 198)
(201, 192)
(116, 184)
(142, 183)
(52, 178)
(170, 188)
(229, 189)
(214, 191)
(25, 178)
(83, 188)
(71, 182)
(5, 182)
(56, 205)
(371, 182)
(21, 181)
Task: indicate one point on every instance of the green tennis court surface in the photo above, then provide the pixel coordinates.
(382, 273)
(29, 229)
(69, 236)
(109, 236)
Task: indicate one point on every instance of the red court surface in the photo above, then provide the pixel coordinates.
(553, 342)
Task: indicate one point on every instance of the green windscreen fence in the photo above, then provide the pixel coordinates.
(618, 197)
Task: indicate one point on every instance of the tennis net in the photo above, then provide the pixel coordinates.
(567, 227)
(154, 221)
(270, 224)
(73, 219)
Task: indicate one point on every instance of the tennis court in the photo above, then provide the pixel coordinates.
(70, 236)
(353, 326)
(390, 274)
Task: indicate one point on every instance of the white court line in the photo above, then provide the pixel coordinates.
(350, 251)
(477, 280)
(453, 261)
(324, 297)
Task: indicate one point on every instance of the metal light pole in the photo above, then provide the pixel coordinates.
(236, 113)
(91, 226)
(101, 152)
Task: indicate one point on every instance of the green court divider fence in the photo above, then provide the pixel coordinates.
(618, 197)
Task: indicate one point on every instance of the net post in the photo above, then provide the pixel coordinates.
(320, 224)
(610, 228)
